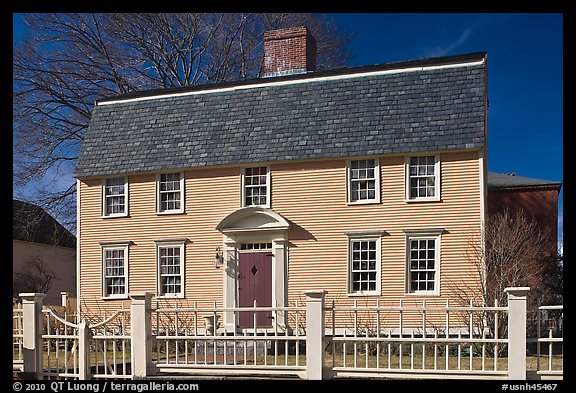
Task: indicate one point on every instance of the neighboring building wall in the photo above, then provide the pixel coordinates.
(541, 203)
(312, 196)
(60, 260)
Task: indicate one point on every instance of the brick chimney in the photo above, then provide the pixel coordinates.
(289, 51)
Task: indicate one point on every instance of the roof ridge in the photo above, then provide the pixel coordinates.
(337, 71)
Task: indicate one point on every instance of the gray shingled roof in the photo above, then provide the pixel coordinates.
(503, 180)
(427, 110)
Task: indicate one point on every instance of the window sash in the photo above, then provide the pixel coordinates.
(364, 266)
(115, 196)
(423, 177)
(170, 192)
(170, 272)
(256, 186)
(363, 181)
(114, 272)
(422, 265)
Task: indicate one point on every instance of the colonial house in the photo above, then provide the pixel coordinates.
(366, 182)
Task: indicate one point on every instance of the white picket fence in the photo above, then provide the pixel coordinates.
(311, 340)
(419, 340)
(193, 340)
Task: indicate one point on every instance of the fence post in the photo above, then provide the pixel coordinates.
(141, 331)
(84, 336)
(64, 298)
(32, 333)
(517, 332)
(314, 333)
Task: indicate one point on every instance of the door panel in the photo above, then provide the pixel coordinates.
(255, 284)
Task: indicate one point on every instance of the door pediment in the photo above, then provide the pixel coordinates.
(252, 219)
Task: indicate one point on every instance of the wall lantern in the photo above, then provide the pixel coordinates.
(218, 259)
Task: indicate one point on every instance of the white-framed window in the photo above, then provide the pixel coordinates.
(170, 268)
(364, 262)
(115, 197)
(422, 178)
(423, 262)
(115, 271)
(256, 186)
(170, 193)
(363, 181)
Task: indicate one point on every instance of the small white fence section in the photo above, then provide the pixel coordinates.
(110, 346)
(546, 334)
(195, 340)
(60, 344)
(409, 339)
(419, 339)
(53, 346)
(17, 336)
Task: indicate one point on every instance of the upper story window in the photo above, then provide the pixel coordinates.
(423, 178)
(363, 181)
(115, 197)
(256, 186)
(170, 193)
(115, 270)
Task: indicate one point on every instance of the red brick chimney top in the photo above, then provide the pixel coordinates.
(289, 51)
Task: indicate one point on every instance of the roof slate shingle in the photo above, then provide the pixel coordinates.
(428, 110)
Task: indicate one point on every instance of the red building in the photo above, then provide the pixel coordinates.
(537, 197)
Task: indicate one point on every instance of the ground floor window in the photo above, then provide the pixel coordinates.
(423, 261)
(115, 270)
(364, 263)
(170, 259)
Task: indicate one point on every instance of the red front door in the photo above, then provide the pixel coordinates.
(255, 284)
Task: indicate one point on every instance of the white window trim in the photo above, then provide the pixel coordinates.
(171, 243)
(182, 195)
(268, 186)
(114, 246)
(424, 234)
(349, 183)
(437, 174)
(103, 199)
(375, 235)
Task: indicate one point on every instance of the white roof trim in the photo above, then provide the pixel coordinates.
(294, 82)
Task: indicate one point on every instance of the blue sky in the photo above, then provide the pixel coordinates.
(525, 60)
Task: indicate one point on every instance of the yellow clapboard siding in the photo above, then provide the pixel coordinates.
(312, 196)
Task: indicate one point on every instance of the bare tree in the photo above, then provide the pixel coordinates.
(67, 61)
(511, 252)
(34, 277)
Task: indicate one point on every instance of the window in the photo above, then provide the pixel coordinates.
(115, 195)
(423, 261)
(170, 193)
(256, 187)
(170, 269)
(255, 246)
(115, 271)
(423, 178)
(363, 181)
(364, 263)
